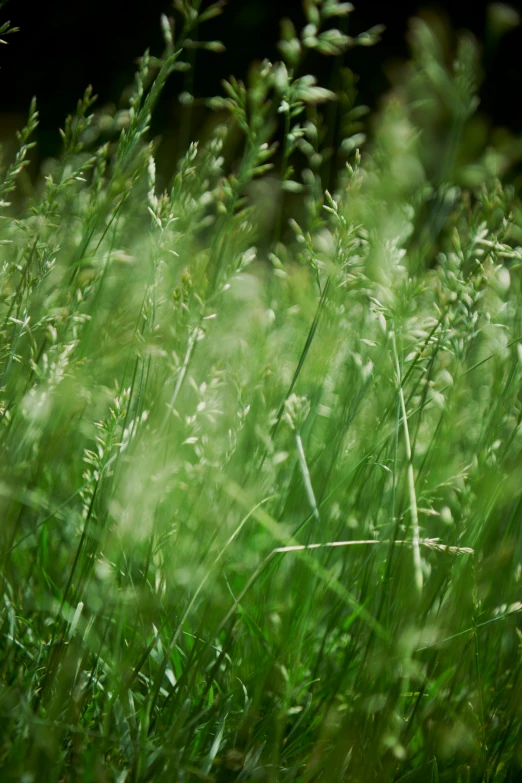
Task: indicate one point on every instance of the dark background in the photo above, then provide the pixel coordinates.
(64, 46)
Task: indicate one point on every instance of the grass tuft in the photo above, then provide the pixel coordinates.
(259, 485)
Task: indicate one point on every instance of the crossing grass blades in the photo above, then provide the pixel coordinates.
(260, 477)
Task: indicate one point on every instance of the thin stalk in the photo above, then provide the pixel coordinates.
(306, 476)
(417, 559)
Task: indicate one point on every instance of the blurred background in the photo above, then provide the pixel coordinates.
(63, 46)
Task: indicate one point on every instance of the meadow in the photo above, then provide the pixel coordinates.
(261, 429)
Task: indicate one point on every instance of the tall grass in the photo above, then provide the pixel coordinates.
(260, 479)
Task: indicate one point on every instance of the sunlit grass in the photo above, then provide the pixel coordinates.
(261, 508)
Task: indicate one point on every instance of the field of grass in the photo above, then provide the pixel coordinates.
(261, 442)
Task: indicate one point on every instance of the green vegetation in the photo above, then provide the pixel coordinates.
(260, 478)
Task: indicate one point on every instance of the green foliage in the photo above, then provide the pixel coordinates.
(260, 493)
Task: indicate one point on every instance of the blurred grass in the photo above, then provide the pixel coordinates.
(260, 488)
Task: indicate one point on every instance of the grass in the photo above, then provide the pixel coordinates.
(260, 478)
